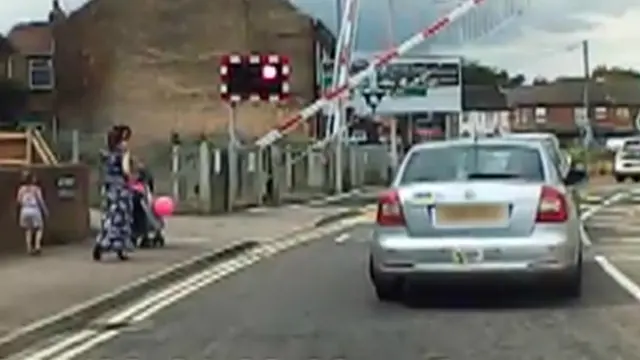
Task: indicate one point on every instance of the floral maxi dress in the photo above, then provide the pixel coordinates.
(116, 204)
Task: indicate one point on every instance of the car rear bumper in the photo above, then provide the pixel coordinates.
(626, 171)
(547, 254)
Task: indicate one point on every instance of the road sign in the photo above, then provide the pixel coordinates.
(373, 97)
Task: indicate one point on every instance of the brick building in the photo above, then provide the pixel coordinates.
(555, 106)
(26, 57)
(154, 64)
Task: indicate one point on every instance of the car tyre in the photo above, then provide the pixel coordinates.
(636, 179)
(388, 289)
(620, 179)
(571, 286)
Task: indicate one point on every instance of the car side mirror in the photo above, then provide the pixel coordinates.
(576, 177)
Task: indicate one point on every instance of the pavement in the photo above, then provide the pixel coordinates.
(64, 286)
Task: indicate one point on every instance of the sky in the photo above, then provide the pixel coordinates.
(541, 40)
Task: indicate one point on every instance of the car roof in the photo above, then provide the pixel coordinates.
(532, 136)
(479, 141)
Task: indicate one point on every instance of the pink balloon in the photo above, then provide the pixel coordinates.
(163, 206)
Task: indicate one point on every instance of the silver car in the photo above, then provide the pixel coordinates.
(471, 209)
(552, 143)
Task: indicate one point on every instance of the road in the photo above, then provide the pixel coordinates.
(315, 302)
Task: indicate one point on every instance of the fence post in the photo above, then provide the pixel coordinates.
(353, 167)
(259, 178)
(288, 168)
(75, 146)
(175, 166)
(277, 163)
(205, 177)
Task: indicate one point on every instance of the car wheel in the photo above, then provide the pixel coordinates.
(619, 179)
(388, 289)
(571, 286)
(636, 179)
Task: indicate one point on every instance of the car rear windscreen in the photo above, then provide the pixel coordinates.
(631, 150)
(465, 162)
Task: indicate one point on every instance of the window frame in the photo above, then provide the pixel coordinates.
(45, 64)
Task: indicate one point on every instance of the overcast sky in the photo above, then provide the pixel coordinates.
(542, 41)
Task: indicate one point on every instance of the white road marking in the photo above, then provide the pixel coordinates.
(607, 202)
(586, 240)
(62, 345)
(340, 239)
(607, 266)
(624, 257)
(79, 343)
(619, 240)
(623, 280)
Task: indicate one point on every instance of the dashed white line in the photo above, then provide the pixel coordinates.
(342, 238)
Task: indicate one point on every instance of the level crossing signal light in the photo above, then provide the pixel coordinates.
(254, 78)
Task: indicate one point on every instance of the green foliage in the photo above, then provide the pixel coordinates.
(615, 73)
(475, 73)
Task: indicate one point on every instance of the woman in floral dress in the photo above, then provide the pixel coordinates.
(115, 234)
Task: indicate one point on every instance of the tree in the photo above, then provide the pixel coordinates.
(614, 73)
(475, 73)
(539, 80)
(13, 100)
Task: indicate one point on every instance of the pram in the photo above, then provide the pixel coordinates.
(148, 227)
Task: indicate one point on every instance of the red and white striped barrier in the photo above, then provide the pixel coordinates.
(379, 61)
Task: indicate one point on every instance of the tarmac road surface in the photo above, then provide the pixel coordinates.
(315, 302)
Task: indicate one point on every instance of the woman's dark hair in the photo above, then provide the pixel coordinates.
(28, 178)
(126, 132)
(118, 134)
(113, 139)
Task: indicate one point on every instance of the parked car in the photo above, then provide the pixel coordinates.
(467, 209)
(626, 163)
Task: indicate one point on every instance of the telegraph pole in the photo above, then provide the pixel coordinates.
(586, 94)
(393, 138)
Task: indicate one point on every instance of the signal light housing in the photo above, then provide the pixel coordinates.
(254, 78)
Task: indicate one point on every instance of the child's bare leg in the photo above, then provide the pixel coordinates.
(27, 240)
(38, 239)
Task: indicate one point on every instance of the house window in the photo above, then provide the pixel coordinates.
(541, 115)
(623, 113)
(580, 116)
(41, 74)
(601, 113)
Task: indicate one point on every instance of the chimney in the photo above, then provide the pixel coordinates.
(57, 13)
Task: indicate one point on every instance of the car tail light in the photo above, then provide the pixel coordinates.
(552, 207)
(390, 210)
